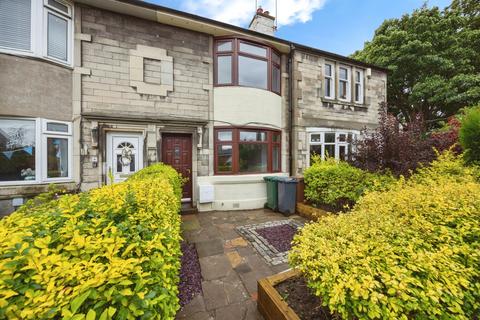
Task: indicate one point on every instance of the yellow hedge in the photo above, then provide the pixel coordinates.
(412, 252)
(112, 252)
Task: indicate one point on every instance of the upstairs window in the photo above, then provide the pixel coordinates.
(359, 86)
(344, 83)
(37, 28)
(244, 63)
(329, 81)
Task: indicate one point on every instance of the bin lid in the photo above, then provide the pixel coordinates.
(288, 180)
(271, 178)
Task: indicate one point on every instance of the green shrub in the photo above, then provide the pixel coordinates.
(412, 252)
(112, 252)
(338, 184)
(470, 134)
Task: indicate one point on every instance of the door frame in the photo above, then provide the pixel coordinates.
(109, 149)
(193, 159)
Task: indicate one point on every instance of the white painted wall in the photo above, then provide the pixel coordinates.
(238, 192)
(241, 106)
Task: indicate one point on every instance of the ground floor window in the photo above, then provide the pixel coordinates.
(246, 150)
(331, 143)
(34, 150)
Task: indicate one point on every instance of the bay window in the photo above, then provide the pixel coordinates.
(246, 150)
(329, 80)
(244, 63)
(331, 143)
(344, 83)
(34, 151)
(40, 28)
(358, 86)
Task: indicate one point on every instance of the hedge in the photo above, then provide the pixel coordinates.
(337, 185)
(470, 134)
(112, 252)
(410, 252)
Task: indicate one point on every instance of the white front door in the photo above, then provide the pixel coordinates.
(124, 155)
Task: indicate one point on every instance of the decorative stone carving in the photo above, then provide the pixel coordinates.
(137, 70)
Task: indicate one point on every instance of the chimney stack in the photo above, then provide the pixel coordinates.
(263, 22)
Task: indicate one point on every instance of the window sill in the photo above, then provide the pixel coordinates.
(32, 56)
(32, 189)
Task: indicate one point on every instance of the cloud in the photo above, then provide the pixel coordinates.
(240, 12)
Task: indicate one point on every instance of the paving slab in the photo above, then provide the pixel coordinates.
(209, 248)
(230, 265)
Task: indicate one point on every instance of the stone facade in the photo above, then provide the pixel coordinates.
(146, 77)
(312, 109)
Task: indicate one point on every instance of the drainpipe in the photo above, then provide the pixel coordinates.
(290, 107)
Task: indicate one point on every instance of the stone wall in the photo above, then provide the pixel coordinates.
(311, 109)
(144, 76)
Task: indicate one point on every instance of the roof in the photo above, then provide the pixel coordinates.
(191, 21)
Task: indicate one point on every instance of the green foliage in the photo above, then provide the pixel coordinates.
(432, 57)
(338, 184)
(112, 252)
(412, 251)
(470, 134)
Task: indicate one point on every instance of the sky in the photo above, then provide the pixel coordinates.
(339, 26)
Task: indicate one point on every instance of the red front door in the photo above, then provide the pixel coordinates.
(177, 152)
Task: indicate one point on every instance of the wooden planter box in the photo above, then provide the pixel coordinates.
(310, 212)
(270, 304)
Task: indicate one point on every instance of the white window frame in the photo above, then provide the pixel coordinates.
(41, 135)
(38, 35)
(322, 131)
(331, 78)
(360, 83)
(348, 80)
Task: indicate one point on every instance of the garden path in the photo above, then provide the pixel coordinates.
(230, 265)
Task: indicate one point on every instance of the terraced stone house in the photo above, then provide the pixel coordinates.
(92, 91)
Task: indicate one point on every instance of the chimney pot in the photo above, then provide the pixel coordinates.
(260, 10)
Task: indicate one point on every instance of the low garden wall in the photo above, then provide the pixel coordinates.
(112, 252)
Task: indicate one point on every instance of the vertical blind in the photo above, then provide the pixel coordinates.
(15, 24)
(57, 37)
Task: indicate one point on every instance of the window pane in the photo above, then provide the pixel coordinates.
(253, 157)
(277, 137)
(224, 135)
(343, 90)
(275, 79)
(357, 92)
(275, 58)
(328, 70)
(57, 37)
(342, 153)
(252, 49)
(357, 76)
(132, 163)
(15, 24)
(328, 87)
(224, 158)
(315, 150)
(17, 150)
(224, 69)
(57, 5)
(330, 150)
(343, 74)
(276, 158)
(342, 137)
(253, 136)
(119, 163)
(58, 127)
(252, 72)
(329, 137)
(224, 46)
(316, 138)
(57, 157)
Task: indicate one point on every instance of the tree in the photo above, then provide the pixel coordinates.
(470, 134)
(433, 60)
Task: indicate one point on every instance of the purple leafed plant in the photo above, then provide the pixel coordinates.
(280, 237)
(190, 274)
